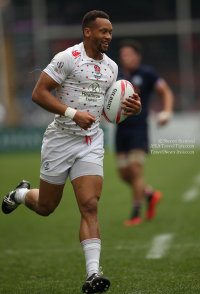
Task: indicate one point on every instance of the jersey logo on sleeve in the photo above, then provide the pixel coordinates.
(59, 67)
(60, 64)
(76, 54)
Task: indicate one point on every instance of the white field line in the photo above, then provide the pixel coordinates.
(159, 247)
(194, 191)
(130, 248)
(191, 194)
(67, 250)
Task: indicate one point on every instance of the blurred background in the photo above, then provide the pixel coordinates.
(32, 32)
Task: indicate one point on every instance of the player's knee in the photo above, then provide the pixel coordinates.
(46, 210)
(135, 170)
(90, 206)
(125, 175)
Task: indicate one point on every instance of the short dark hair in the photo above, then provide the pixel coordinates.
(91, 16)
(135, 45)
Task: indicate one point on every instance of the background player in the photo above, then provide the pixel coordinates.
(73, 143)
(132, 133)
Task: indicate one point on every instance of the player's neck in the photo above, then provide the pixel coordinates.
(90, 52)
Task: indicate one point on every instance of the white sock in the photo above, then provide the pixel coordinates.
(20, 195)
(91, 248)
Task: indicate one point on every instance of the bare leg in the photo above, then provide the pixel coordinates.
(45, 199)
(137, 181)
(133, 175)
(124, 171)
(88, 190)
(131, 171)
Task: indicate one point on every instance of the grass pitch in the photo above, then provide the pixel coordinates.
(43, 255)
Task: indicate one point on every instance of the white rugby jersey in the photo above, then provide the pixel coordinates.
(83, 83)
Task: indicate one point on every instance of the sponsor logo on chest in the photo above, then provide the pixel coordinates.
(93, 96)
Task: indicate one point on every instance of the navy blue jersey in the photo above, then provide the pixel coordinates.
(143, 80)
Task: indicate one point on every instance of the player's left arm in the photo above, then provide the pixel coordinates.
(164, 91)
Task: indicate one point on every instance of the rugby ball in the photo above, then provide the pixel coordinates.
(115, 95)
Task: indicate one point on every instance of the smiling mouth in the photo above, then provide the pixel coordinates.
(105, 43)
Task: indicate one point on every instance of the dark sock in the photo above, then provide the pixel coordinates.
(136, 209)
(149, 193)
(149, 197)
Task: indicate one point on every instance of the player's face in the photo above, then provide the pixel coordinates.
(101, 35)
(130, 59)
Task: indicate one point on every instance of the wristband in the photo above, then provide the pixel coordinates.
(70, 112)
(163, 115)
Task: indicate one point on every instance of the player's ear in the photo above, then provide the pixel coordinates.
(87, 32)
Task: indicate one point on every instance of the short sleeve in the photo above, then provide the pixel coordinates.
(60, 67)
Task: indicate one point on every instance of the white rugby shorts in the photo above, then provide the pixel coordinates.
(64, 155)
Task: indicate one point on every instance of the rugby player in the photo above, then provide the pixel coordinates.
(132, 133)
(73, 143)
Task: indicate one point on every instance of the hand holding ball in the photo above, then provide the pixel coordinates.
(119, 100)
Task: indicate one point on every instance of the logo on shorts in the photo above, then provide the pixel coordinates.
(46, 166)
(97, 73)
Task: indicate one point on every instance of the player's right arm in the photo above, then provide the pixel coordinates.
(166, 94)
(43, 97)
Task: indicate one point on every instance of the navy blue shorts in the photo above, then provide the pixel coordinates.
(132, 138)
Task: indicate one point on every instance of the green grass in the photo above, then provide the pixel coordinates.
(43, 255)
